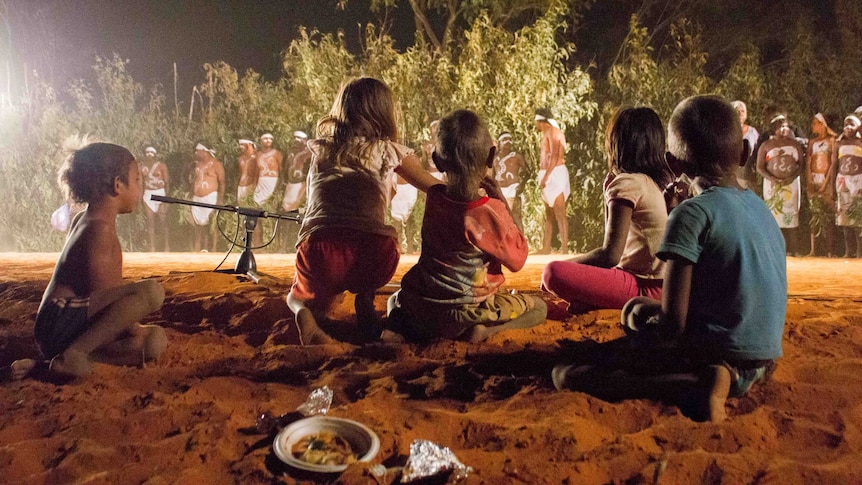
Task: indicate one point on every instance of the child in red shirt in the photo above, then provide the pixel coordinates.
(468, 234)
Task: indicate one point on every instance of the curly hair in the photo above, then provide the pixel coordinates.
(88, 173)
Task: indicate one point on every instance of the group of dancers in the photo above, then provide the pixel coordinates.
(264, 172)
(826, 168)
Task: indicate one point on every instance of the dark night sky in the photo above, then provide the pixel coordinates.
(153, 34)
(60, 38)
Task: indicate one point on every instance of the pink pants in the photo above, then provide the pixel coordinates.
(590, 286)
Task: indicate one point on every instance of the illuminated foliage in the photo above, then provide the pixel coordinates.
(500, 58)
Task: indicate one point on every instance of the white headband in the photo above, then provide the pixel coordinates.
(246, 142)
(267, 135)
(819, 117)
(505, 138)
(550, 121)
(858, 110)
(854, 119)
(150, 150)
(777, 118)
(300, 134)
(200, 146)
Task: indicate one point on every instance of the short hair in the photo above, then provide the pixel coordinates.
(88, 173)
(635, 143)
(464, 143)
(545, 113)
(704, 131)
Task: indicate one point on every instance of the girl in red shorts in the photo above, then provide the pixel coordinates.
(344, 243)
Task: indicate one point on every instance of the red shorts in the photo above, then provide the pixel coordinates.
(332, 261)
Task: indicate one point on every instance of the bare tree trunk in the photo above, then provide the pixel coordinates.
(192, 104)
(422, 24)
(210, 82)
(176, 101)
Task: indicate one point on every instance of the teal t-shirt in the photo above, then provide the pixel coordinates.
(738, 296)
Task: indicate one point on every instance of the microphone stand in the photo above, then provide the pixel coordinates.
(246, 264)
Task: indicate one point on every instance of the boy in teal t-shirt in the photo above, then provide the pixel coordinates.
(718, 328)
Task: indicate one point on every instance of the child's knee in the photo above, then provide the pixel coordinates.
(551, 275)
(153, 293)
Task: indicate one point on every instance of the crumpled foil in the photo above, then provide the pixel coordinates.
(318, 402)
(428, 459)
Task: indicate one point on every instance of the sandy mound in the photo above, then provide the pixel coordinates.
(232, 355)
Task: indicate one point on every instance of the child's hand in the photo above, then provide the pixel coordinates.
(492, 189)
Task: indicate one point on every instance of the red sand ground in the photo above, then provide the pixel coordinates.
(232, 354)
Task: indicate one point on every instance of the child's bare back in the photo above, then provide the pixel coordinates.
(87, 311)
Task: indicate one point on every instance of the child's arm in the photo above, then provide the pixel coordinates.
(676, 291)
(667, 318)
(104, 256)
(616, 232)
(411, 170)
(492, 189)
(493, 230)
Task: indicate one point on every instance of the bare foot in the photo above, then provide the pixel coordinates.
(719, 387)
(155, 342)
(309, 332)
(22, 368)
(71, 363)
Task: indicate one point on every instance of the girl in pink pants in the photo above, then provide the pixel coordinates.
(625, 265)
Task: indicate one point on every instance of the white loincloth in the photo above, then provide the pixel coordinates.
(848, 188)
(294, 194)
(787, 214)
(244, 192)
(153, 204)
(61, 218)
(403, 201)
(558, 183)
(201, 215)
(818, 179)
(265, 188)
(510, 191)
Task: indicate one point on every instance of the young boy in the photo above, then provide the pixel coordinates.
(719, 325)
(87, 311)
(467, 236)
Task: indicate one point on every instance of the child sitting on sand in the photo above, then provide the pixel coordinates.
(344, 242)
(635, 216)
(87, 311)
(468, 234)
(718, 327)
